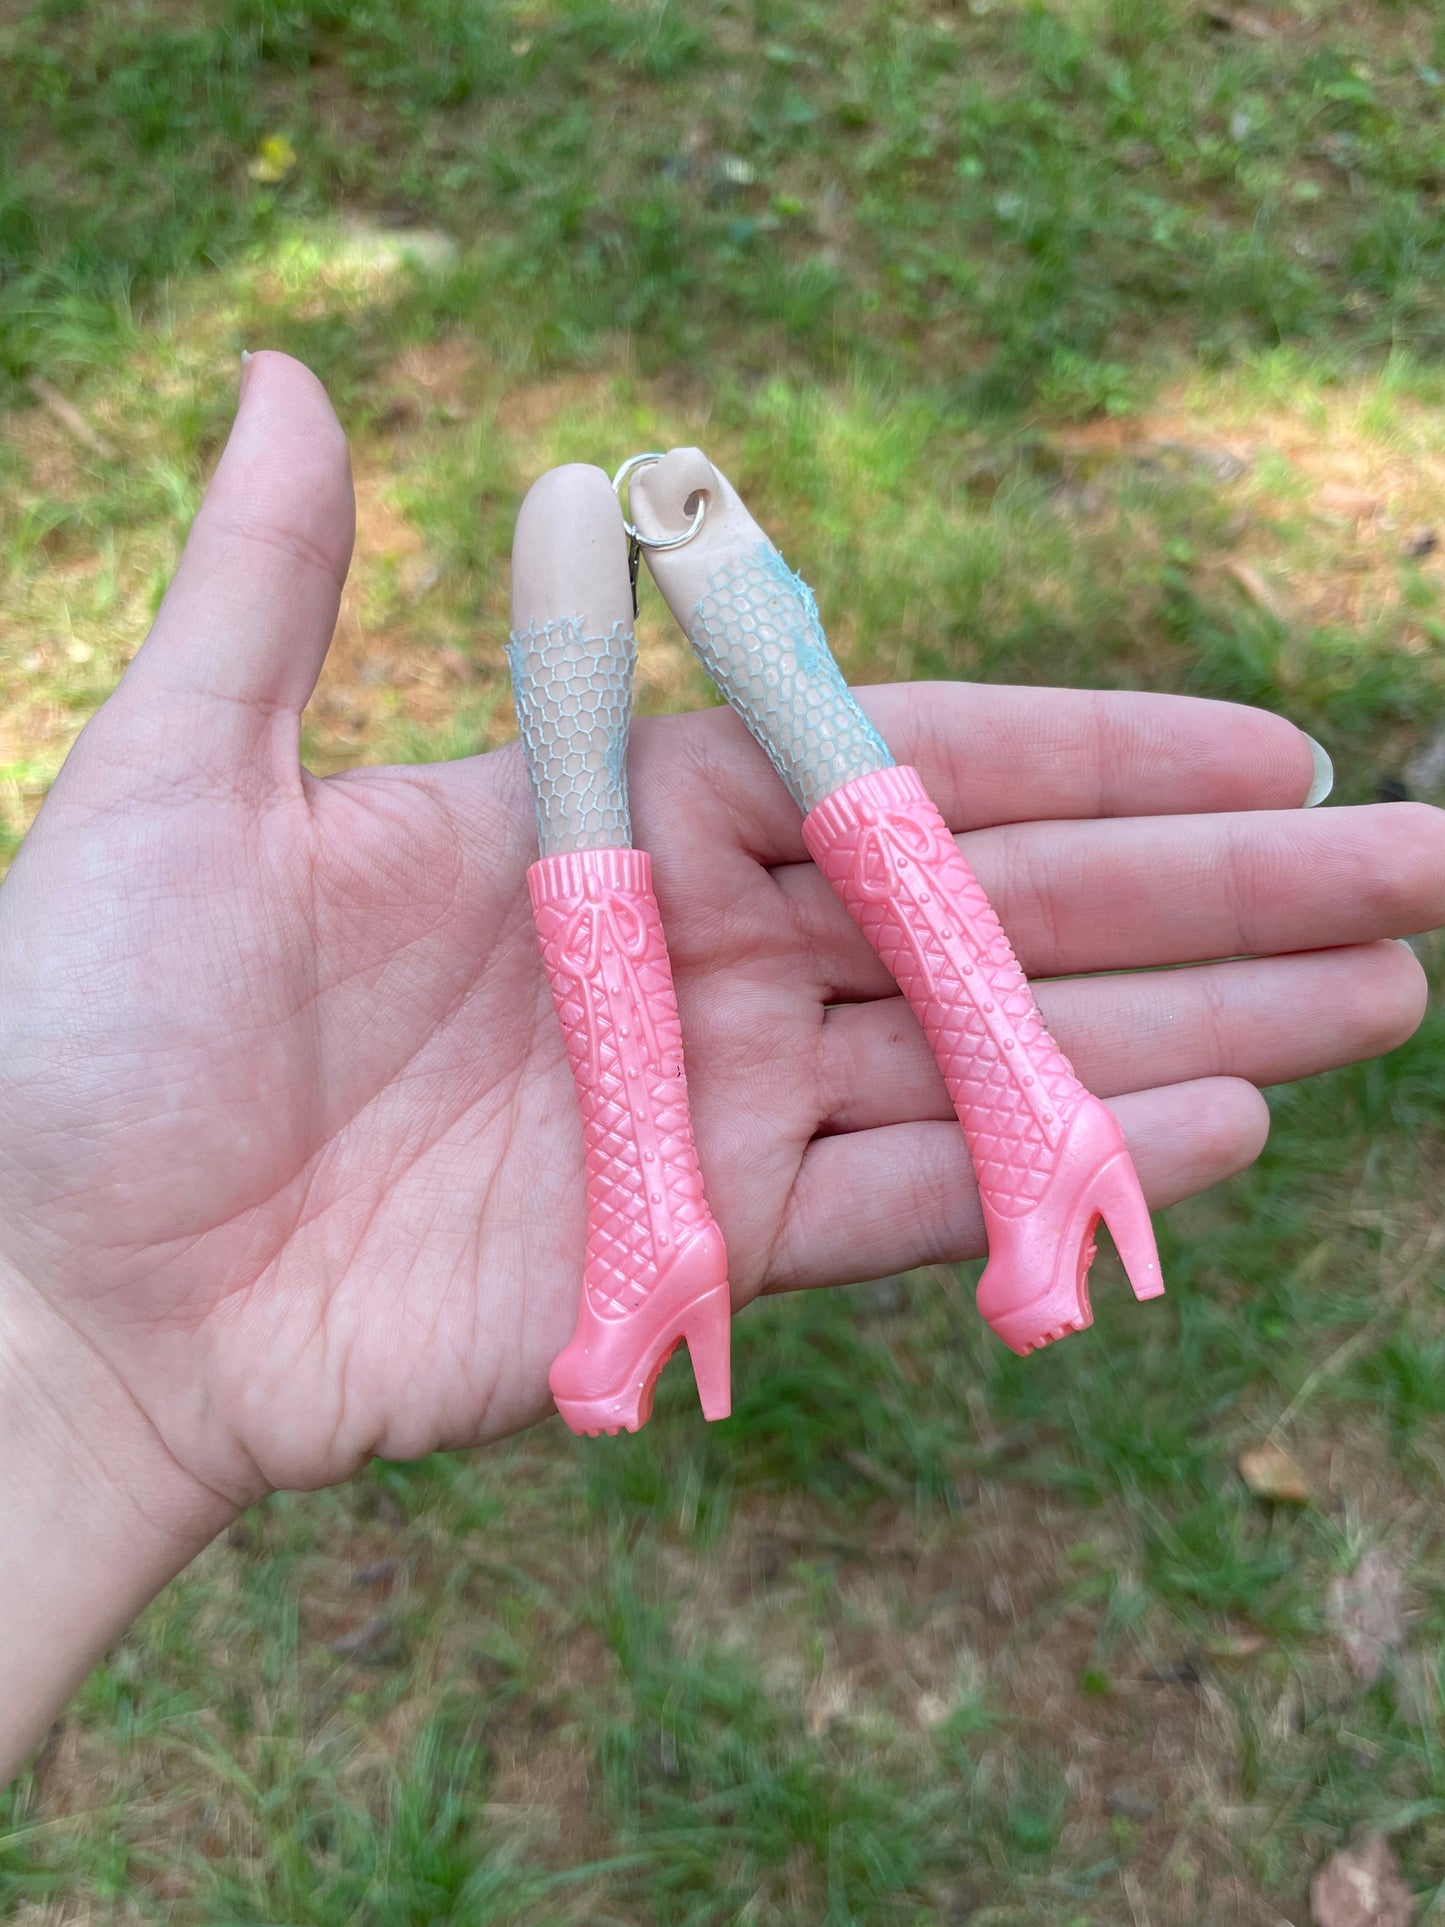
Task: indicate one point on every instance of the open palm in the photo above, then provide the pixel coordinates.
(286, 1132)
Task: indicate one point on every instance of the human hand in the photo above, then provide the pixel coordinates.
(288, 1148)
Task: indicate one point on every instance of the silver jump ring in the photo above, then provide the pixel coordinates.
(634, 534)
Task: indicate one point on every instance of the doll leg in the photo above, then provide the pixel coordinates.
(655, 1273)
(1049, 1158)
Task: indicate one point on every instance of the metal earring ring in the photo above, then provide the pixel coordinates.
(634, 534)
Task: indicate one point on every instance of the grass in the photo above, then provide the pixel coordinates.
(1097, 343)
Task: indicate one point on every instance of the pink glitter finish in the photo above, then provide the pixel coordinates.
(1050, 1158)
(656, 1269)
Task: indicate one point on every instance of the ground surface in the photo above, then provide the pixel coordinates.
(1095, 342)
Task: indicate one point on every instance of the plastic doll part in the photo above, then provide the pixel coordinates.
(573, 695)
(1049, 1158)
(655, 1271)
(757, 634)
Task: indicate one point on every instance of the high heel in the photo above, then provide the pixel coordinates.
(1049, 1157)
(708, 1332)
(605, 1379)
(1035, 1286)
(656, 1267)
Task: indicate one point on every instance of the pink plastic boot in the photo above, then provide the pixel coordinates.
(1049, 1158)
(656, 1269)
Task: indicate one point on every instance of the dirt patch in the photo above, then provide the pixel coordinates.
(1333, 518)
(384, 667)
(51, 455)
(451, 371)
(527, 412)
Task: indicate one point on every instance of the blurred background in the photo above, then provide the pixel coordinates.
(1095, 341)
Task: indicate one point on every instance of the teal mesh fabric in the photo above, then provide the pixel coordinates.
(756, 632)
(573, 694)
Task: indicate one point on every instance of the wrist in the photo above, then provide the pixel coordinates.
(95, 1514)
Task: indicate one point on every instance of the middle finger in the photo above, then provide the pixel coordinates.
(1122, 893)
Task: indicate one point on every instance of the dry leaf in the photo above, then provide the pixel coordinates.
(377, 1572)
(1253, 26)
(1248, 578)
(1232, 1647)
(1337, 498)
(1361, 1887)
(828, 1702)
(377, 1643)
(273, 160)
(69, 417)
(1272, 1474)
(1365, 1611)
(1128, 1802)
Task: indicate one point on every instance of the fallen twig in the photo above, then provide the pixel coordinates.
(70, 417)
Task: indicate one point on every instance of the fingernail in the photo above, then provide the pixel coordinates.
(246, 359)
(1323, 780)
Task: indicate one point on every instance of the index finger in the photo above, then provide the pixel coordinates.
(992, 754)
